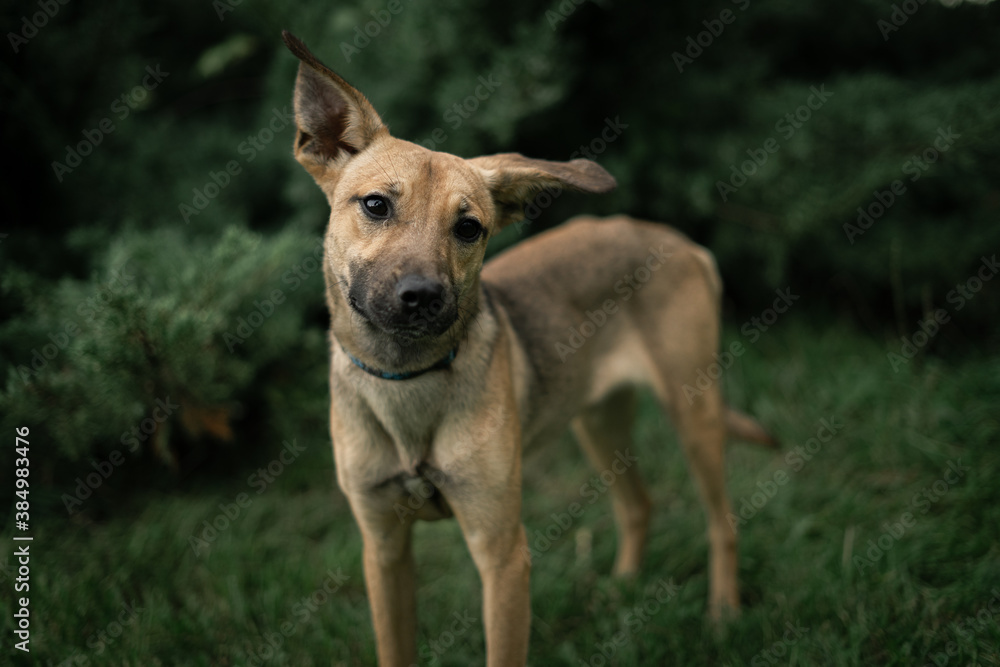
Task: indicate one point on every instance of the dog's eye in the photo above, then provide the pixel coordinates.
(376, 207)
(468, 230)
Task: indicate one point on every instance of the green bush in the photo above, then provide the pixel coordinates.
(168, 330)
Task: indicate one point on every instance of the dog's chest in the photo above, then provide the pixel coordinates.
(408, 415)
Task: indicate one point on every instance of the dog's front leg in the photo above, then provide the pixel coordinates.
(487, 505)
(502, 558)
(504, 568)
(389, 579)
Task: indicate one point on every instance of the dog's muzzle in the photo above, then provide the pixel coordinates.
(416, 306)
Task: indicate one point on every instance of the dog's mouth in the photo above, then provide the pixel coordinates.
(412, 326)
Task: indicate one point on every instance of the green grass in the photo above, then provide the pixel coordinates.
(796, 554)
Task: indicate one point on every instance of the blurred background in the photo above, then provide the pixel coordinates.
(162, 324)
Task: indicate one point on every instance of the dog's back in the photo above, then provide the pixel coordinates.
(600, 303)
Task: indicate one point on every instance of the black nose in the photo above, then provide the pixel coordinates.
(416, 292)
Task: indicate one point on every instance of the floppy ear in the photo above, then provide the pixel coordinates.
(334, 121)
(514, 179)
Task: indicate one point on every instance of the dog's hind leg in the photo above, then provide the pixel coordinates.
(702, 434)
(604, 431)
(681, 340)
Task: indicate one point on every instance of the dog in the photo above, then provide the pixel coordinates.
(442, 370)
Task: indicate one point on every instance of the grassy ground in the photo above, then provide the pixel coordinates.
(129, 588)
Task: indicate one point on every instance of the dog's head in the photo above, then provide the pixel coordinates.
(408, 226)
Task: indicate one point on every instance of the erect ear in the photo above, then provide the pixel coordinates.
(514, 180)
(334, 121)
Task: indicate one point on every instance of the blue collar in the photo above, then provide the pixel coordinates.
(385, 375)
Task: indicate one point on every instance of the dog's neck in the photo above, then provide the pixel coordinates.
(372, 348)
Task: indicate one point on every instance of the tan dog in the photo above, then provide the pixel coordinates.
(442, 369)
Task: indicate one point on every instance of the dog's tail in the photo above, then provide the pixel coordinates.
(745, 427)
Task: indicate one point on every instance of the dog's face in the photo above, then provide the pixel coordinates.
(408, 226)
